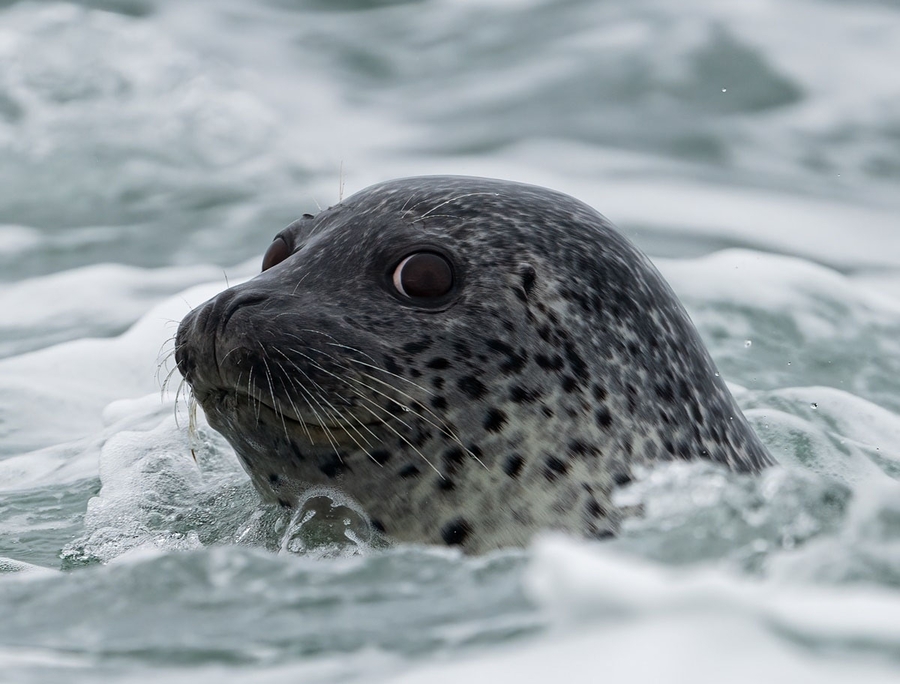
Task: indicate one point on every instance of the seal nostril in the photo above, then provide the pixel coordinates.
(234, 303)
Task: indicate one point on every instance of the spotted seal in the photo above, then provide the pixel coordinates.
(470, 359)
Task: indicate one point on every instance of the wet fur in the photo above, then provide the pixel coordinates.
(559, 361)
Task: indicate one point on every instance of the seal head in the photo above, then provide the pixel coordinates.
(472, 360)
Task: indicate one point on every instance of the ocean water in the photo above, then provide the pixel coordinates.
(149, 151)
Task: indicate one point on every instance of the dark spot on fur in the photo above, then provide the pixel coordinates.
(520, 395)
(696, 413)
(409, 471)
(438, 403)
(631, 397)
(513, 465)
(453, 458)
(576, 363)
(599, 392)
(684, 391)
(621, 479)
(380, 456)
(472, 386)
(437, 382)
(273, 479)
(595, 510)
(494, 420)
(377, 525)
(391, 366)
(569, 384)
(445, 484)
(547, 411)
(665, 391)
(603, 417)
(333, 465)
(417, 347)
(463, 350)
(554, 467)
(284, 503)
(514, 360)
(454, 533)
(421, 437)
(579, 448)
(438, 363)
(395, 408)
(545, 362)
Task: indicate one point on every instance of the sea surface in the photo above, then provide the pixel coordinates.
(150, 150)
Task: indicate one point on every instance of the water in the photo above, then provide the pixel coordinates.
(149, 150)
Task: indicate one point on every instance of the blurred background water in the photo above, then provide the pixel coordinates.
(150, 149)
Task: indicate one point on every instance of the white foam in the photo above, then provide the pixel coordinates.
(86, 301)
(622, 619)
(57, 395)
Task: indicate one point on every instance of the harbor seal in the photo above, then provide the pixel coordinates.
(472, 360)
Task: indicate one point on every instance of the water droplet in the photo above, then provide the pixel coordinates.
(748, 343)
(724, 90)
(814, 405)
(789, 363)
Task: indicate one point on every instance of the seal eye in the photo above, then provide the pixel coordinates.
(423, 275)
(278, 251)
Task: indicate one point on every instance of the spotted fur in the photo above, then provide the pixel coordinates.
(559, 360)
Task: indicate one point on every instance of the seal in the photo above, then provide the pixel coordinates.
(472, 360)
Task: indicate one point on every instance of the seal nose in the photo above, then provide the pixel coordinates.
(190, 342)
(199, 331)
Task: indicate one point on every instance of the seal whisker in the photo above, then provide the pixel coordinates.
(165, 383)
(299, 283)
(364, 398)
(455, 199)
(405, 440)
(393, 375)
(309, 395)
(251, 395)
(442, 427)
(278, 413)
(302, 391)
(163, 345)
(192, 424)
(177, 393)
(331, 344)
(351, 349)
(227, 354)
(338, 413)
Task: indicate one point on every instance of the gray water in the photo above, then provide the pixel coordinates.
(149, 151)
